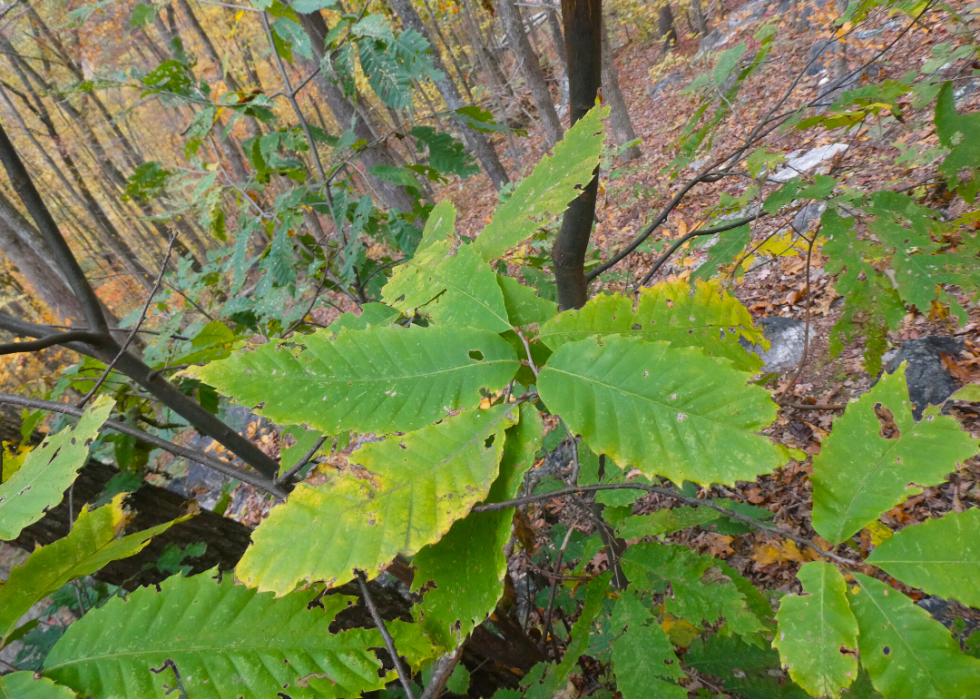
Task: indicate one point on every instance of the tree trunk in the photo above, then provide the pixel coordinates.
(395, 196)
(531, 69)
(22, 245)
(477, 142)
(699, 19)
(583, 37)
(619, 116)
(665, 26)
(434, 21)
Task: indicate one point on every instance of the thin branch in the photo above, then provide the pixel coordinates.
(288, 475)
(132, 334)
(50, 341)
(441, 670)
(201, 458)
(694, 234)
(527, 348)
(556, 569)
(693, 502)
(405, 678)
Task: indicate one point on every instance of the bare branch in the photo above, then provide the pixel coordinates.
(288, 475)
(406, 679)
(201, 458)
(49, 341)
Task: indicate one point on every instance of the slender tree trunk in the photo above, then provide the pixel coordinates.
(395, 196)
(434, 21)
(619, 116)
(477, 142)
(227, 75)
(583, 38)
(110, 233)
(699, 18)
(24, 248)
(665, 26)
(558, 39)
(531, 69)
(495, 77)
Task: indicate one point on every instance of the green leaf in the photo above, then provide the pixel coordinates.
(468, 579)
(381, 379)
(225, 640)
(696, 422)
(407, 495)
(28, 685)
(726, 64)
(724, 248)
(371, 314)
(48, 471)
(643, 656)
(545, 193)
(748, 671)
(704, 316)
(446, 154)
(447, 279)
(940, 556)
(89, 546)
(395, 175)
(970, 392)
(815, 630)
(389, 79)
(666, 521)
(701, 591)
(907, 653)
(523, 304)
(595, 592)
(859, 474)
(305, 439)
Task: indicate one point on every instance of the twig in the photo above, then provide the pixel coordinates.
(441, 670)
(693, 502)
(405, 678)
(694, 234)
(201, 458)
(288, 475)
(156, 372)
(814, 406)
(527, 348)
(556, 569)
(129, 338)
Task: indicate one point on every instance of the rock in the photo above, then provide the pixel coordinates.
(711, 41)
(817, 55)
(964, 91)
(806, 162)
(928, 381)
(785, 337)
(806, 217)
(748, 13)
(664, 84)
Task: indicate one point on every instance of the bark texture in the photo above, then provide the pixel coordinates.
(531, 69)
(619, 116)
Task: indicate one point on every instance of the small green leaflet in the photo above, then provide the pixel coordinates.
(704, 316)
(696, 422)
(859, 474)
(907, 653)
(28, 685)
(814, 630)
(90, 546)
(468, 578)
(595, 592)
(701, 591)
(48, 471)
(748, 671)
(305, 439)
(380, 379)
(547, 191)
(413, 488)
(722, 249)
(666, 521)
(940, 556)
(207, 629)
(643, 657)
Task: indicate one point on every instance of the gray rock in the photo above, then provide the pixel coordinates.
(928, 381)
(712, 40)
(817, 56)
(964, 91)
(785, 337)
(749, 13)
(807, 161)
(806, 217)
(664, 84)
